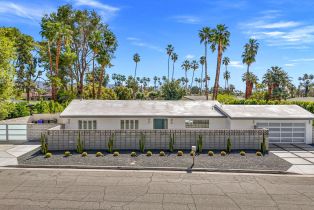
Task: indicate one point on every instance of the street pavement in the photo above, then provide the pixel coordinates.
(96, 189)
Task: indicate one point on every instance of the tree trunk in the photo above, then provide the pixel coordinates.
(192, 79)
(172, 71)
(93, 80)
(202, 79)
(27, 94)
(186, 80)
(53, 97)
(101, 78)
(206, 74)
(247, 83)
(135, 70)
(217, 71)
(168, 65)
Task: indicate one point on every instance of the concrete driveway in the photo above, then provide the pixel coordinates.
(301, 156)
(9, 152)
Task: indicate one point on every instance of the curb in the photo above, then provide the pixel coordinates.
(155, 169)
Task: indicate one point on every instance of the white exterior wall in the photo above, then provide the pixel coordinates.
(144, 123)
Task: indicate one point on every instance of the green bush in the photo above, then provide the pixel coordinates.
(192, 153)
(149, 153)
(258, 153)
(180, 153)
(229, 145)
(200, 143)
(133, 154)
(116, 154)
(48, 155)
(263, 145)
(99, 154)
(84, 154)
(43, 144)
(110, 143)
(171, 142)
(211, 153)
(79, 144)
(162, 153)
(67, 154)
(223, 153)
(142, 142)
(242, 153)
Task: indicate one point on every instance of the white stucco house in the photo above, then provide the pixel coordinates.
(286, 123)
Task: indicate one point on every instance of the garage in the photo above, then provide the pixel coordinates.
(284, 132)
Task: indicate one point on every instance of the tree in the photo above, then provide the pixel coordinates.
(205, 36)
(220, 39)
(306, 81)
(171, 90)
(174, 58)
(226, 61)
(136, 59)
(251, 79)
(123, 93)
(194, 65)
(169, 50)
(202, 62)
(248, 57)
(186, 66)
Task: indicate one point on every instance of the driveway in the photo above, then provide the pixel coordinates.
(300, 155)
(9, 152)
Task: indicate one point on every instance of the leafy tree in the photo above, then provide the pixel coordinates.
(174, 58)
(136, 59)
(226, 61)
(205, 36)
(250, 79)
(194, 65)
(248, 57)
(169, 50)
(306, 81)
(123, 93)
(220, 40)
(171, 90)
(186, 66)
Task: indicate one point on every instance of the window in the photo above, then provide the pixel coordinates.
(129, 124)
(87, 124)
(196, 123)
(160, 123)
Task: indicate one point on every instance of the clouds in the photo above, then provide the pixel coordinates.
(189, 56)
(187, 19)
(288, 34)
(236, 64)
(138, 42)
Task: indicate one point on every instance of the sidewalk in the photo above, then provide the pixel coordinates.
(9, 153)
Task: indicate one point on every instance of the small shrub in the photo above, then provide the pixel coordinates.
(149, 153)
(116, 154)
(263, 145)
(192, 153)
(43, 143)
(200, 143)
(171, 142)
(79, 144)
(99, 154)
(142, 142)
(133, 154)
(110, 143)
(48, 155)
(211, 153)
(67, 154)
(258, 153)
(242, 153)
(84, 154)
(229, 145)
(180, 153)
(223, 153)
(162, 153)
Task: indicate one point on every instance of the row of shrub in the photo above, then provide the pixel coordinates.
(149, 153)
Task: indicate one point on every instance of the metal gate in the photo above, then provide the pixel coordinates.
(13, 132)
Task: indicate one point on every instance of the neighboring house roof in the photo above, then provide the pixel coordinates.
(306, 99)
(18, 121)
(140, 108)
(265, 112)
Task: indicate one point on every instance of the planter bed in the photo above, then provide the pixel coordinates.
(231, 161)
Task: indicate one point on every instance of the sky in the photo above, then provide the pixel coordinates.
(284, 29)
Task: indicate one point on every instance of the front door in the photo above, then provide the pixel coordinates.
(160, 123)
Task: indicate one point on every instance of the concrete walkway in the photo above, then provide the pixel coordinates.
(9, 152)
(301, 156)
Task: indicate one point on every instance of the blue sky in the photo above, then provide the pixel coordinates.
(284, 29)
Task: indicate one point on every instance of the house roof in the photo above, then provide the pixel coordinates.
(265, 112)
(19, 120)
(140, 108)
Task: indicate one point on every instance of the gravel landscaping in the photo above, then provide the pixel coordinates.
(230, 161)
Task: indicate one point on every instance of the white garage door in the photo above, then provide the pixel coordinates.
(284, 132)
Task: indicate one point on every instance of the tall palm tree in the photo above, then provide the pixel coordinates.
(251, 80)
(136, 59)
(205, 36)
(186, 66)
(194, 65)
(174, 58)
(248, 57)
(220, 40)
(169, 50)
(226, 61)
(202, 62)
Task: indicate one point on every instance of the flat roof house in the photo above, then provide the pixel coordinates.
(286, 123)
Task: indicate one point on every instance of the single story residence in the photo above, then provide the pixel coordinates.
(286, 123)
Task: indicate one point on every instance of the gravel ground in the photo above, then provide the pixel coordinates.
(231, 161)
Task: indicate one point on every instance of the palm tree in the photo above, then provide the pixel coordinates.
(169, 50)
(174, 58)
(186, 66)
(136, 59)
(306, 81)
(202, 62)
(248, 57)
(251, 80)
(226, 61)
(205, 36)
(194, 65)
(220, 39)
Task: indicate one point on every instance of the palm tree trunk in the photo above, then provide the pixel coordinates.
(168, 65)
(247, 83)
(206, 75)
(93, 82)
(217, 71)
(135, 69)
(101, 78)
(192, 79)
(172, 71)
(202, 79)
(186, 78)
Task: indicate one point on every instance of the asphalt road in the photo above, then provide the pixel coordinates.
(79, 189)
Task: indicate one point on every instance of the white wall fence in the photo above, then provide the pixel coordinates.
(155, 139)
